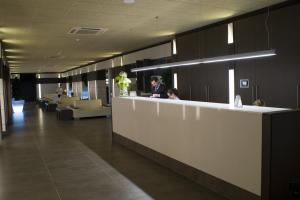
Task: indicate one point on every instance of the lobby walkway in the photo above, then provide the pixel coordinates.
(46, 159)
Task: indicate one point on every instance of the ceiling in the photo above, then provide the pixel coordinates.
(35, 32)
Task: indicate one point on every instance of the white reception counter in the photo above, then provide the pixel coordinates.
(218, 139)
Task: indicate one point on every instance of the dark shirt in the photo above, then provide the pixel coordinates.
(161, 90)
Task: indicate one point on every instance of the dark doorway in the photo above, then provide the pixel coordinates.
(28, 87)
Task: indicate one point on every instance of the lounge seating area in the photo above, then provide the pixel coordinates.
(89, 108)
(79, 108)
(66, 101)
(52, 98)
(48, 102)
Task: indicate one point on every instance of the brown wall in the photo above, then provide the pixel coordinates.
(274, 78)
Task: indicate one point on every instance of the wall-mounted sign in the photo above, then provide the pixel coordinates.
(244, 83)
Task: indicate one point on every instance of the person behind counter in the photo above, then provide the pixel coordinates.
(158, 89)
(173, 94)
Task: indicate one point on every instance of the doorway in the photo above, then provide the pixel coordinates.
(28, 87)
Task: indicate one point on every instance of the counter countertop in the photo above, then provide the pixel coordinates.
(245, 108)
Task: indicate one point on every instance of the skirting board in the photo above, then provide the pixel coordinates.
(218, 186)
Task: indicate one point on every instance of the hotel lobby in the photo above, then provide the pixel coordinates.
(140, 100)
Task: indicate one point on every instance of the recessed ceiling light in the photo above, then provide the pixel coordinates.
(14, 57)
(129, 1)
(116, 53)
(13, 50)
(13, 41)
(107, 56)
(14, 61)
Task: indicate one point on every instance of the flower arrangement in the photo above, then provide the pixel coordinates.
(123, 83)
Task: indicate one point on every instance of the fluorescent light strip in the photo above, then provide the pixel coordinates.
(230, 33)
(174, 48)
(231, 86)
(233, 57)
(175, 80)
(40, 91)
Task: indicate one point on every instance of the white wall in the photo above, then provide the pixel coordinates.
(48, 88)
(3, 116)
(51, 75)
(92, 89)
(161, 51)
(77, 88)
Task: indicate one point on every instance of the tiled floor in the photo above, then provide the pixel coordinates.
(46, 159)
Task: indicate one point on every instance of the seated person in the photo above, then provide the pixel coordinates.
(158, 89)
(259, 102)
(173, 94)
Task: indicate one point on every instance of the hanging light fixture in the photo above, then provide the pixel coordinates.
(227, 58)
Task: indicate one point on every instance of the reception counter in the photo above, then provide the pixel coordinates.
(216, 145)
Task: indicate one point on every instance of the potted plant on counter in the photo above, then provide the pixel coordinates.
(123, 83)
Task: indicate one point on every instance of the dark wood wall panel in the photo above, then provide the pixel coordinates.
(91, 76)
(77, 78)
(272, 79)
(184, 83)
(101, 74)
(96, 75)
(203, 82)
(28, 87)
(188, 46)
(284, 158)
(50, 80)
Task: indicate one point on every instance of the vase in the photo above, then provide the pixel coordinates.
(17, 105)
(124, 92)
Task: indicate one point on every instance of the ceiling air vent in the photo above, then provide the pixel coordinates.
(87, 31)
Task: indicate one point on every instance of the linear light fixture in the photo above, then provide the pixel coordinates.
(231, 86)
(233, 57)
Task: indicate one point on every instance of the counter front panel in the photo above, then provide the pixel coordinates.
(224, 143)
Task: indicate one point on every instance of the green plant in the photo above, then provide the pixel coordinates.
(122, 81)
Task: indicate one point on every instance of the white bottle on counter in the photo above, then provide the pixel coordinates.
(238, 102)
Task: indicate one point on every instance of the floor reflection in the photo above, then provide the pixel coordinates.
(83, 163)
(18, 117)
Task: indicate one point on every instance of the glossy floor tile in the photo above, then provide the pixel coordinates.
(45, 159)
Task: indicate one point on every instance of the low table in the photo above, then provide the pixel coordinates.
(51, 107)
(64, 114)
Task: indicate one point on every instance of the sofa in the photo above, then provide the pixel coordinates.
(53, 98)
(66, 101)
(89, 108)
(48, 102)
